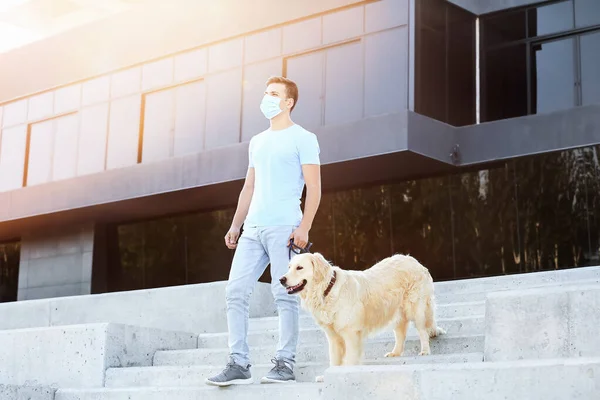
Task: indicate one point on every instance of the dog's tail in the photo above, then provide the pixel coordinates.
(432, 327)
(437, 331)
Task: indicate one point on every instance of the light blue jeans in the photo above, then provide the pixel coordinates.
(257, 247)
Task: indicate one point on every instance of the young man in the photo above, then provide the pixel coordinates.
(282, 160)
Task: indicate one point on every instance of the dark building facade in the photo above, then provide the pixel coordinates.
(463, 133)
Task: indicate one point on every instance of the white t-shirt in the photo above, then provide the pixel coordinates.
(277, 158)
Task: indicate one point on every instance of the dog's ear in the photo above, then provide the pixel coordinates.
(321, 268)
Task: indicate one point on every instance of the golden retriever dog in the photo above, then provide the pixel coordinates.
(352, 305)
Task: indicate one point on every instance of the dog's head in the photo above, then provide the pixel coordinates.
(307, 271)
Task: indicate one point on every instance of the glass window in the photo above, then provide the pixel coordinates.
(461, 67)
(65, 147)
(433, 14)
(421, 224)
(485, 218)
(445, 63)
(12, 157)
(169, 251)
(552, 18)
(523, 215)
(587, 13)
(344, 84)
(504, 28)
(362, 227)
(124, 132)
(504, 85)
(224, 100)
(207, 258)
(590, 68)
(189, 118)
(431, 75)
(158, 125)
(386, 83)
(307, 72)
(10, 258)
(552, 210)
(164, 253)
(591, 157)
(40, 153)
(553, 76)
(92, 139)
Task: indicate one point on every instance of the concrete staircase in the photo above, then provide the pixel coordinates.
(456, 365)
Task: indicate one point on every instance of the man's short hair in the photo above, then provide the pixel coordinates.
(291, 89)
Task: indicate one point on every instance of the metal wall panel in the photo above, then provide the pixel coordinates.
(190, 109)
(344, 80)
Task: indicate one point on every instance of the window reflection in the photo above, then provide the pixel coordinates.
(486, 223)
(552, 67)
(504, 28)
(10, 256)
(362, 226)
(421, 224)
(531, 214)
(553, 76)
(445, 63)
(552, 18)
(591, 159)
(587, 13)
(590, 68)
(552, 210)
(505, 83)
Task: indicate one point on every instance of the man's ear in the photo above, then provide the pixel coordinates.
(289, 103)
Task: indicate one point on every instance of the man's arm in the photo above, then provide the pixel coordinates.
(312, 178)
(241, 211)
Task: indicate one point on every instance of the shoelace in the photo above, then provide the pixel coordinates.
(232, 365)
(279, 365)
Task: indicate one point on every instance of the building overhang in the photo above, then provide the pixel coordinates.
(480, 7)
(399, 146)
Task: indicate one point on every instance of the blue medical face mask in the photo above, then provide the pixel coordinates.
(270, 106)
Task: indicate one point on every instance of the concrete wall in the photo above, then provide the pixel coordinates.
(199, 308)
(574, 379)
(16, 392)
(545, 323)
(55, 264)
(79, 355)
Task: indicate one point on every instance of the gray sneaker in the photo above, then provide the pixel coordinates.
(280, 373)
(233, 374)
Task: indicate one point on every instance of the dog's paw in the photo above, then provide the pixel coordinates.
(320, 379)
(392, 354)
(425, 352)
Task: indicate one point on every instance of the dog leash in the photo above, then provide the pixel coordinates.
(294, 248)
(299, 250)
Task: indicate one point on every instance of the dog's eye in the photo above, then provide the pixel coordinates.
(299, 268)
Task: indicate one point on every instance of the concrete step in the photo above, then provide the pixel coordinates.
(317, 352)
(313, 334)
(468, 296)
(305, 372)
(517, 281)
(554, 379)
(454, 310)
(298, 391)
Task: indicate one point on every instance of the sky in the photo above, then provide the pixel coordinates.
(25, 21)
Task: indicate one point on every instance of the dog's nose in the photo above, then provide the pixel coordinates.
(283, 279)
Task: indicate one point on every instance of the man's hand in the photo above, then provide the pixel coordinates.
(300, 236)
(231, 237)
